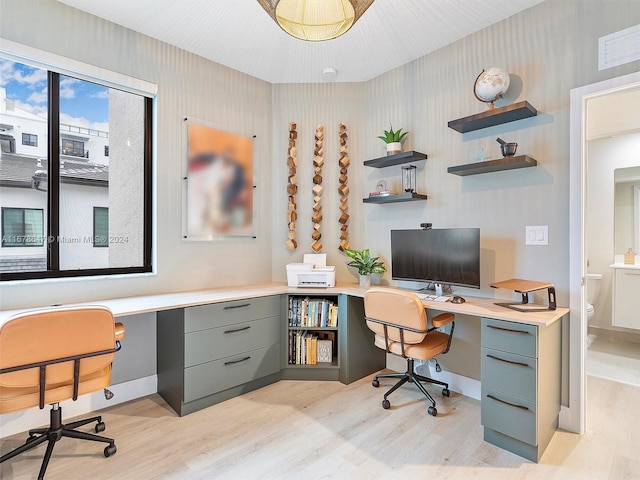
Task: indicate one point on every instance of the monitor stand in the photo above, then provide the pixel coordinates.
(524, 287)
(438, 288)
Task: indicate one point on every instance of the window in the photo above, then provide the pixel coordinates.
(74, 148)
(100, 227)
(22, 227)
(29, 139)
(68, 177)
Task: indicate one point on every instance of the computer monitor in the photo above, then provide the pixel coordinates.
(445, 256)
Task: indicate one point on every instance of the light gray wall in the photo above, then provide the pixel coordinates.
(188, 86)
(548, 49)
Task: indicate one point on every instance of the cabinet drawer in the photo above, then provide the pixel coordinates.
(212, 377)
(227, 313)
(510, 337)
(509, 415)
(510, 373)
(220, 342)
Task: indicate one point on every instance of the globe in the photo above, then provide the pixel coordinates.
(491, 85)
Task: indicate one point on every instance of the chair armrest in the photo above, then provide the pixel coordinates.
(119, 331)
(442, 319)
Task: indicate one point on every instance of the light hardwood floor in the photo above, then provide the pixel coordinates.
(326, 430)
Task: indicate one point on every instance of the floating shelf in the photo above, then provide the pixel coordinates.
(400, 197)
(495, 116)
(506, 163)
(397, 159)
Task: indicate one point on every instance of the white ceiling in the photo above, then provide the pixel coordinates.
(240, 34)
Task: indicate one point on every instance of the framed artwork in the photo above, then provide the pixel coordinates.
(219, 183)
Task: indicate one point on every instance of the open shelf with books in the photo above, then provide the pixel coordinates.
(312, 333)
(326, 338)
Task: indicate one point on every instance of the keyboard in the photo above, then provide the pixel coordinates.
(433, 298)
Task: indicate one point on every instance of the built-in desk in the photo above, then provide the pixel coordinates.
(520, 373)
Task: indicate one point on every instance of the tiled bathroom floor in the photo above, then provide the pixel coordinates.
(613, 359)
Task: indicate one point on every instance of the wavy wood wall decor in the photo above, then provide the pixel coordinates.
(318, 161)
(292, 188)
(343, 188)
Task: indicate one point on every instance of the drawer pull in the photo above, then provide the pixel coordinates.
(522, 407)
(507, 329)
(508, 361)
(231, 362)
(238, 329)
(237, 306)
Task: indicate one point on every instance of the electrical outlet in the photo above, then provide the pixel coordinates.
(537, 235)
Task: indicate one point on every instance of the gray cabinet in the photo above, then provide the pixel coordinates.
(210, 353)
(520, 376)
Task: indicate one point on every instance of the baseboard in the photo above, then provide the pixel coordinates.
(12, 423)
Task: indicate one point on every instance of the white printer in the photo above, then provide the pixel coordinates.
(312, 272)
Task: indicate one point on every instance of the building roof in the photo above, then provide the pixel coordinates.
(23, 171)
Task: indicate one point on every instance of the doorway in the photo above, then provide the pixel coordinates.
(583, 101)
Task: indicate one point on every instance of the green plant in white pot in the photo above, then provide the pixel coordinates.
(365, 263)
(393, 140)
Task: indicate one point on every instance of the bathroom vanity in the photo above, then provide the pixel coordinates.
(626, 301)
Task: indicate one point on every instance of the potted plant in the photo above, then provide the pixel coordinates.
(365, 263)
(393, 140)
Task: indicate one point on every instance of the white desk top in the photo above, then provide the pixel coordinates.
(474, 306)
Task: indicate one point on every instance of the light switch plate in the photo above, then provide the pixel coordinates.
(537, 235)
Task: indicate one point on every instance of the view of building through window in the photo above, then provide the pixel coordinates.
(99, 206)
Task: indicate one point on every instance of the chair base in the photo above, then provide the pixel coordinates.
(55, 432)
(412, 377)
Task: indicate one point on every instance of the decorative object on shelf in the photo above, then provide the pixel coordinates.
(343, 188)
(508, 149)
(366, 265)
(491, 85)
(409, 178)
(318, 161)
(315, 21)
(393, 140)
(292, 188)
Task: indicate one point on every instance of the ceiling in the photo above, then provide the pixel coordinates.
(241, 35)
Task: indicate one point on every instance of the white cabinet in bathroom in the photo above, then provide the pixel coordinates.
(626, 298)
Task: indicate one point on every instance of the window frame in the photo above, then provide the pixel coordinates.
(30, 142)
(111, 80)
(99, 235)
(23, 244)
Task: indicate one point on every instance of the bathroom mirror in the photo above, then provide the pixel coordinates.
(627, 209)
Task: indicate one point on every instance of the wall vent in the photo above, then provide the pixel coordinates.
(619, 48)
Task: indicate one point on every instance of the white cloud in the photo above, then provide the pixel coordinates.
(38, 97)
(67, 92)
(101, 94)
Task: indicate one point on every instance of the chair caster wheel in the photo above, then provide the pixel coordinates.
(100, 426)
(110, 450)
(446, 392)
(386, 404)
(432, 411)
(375, 382)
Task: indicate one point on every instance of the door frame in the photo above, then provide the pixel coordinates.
(573, 417)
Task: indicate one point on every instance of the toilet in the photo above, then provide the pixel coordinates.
(593, 288)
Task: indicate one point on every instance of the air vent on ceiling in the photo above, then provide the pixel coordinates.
(619, 48)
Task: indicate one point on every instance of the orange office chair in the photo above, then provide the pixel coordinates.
(399, 322)
(51, 355)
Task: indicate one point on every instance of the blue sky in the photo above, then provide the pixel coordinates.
(82, 103)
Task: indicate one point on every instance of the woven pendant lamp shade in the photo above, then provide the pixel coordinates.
(315, 20)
